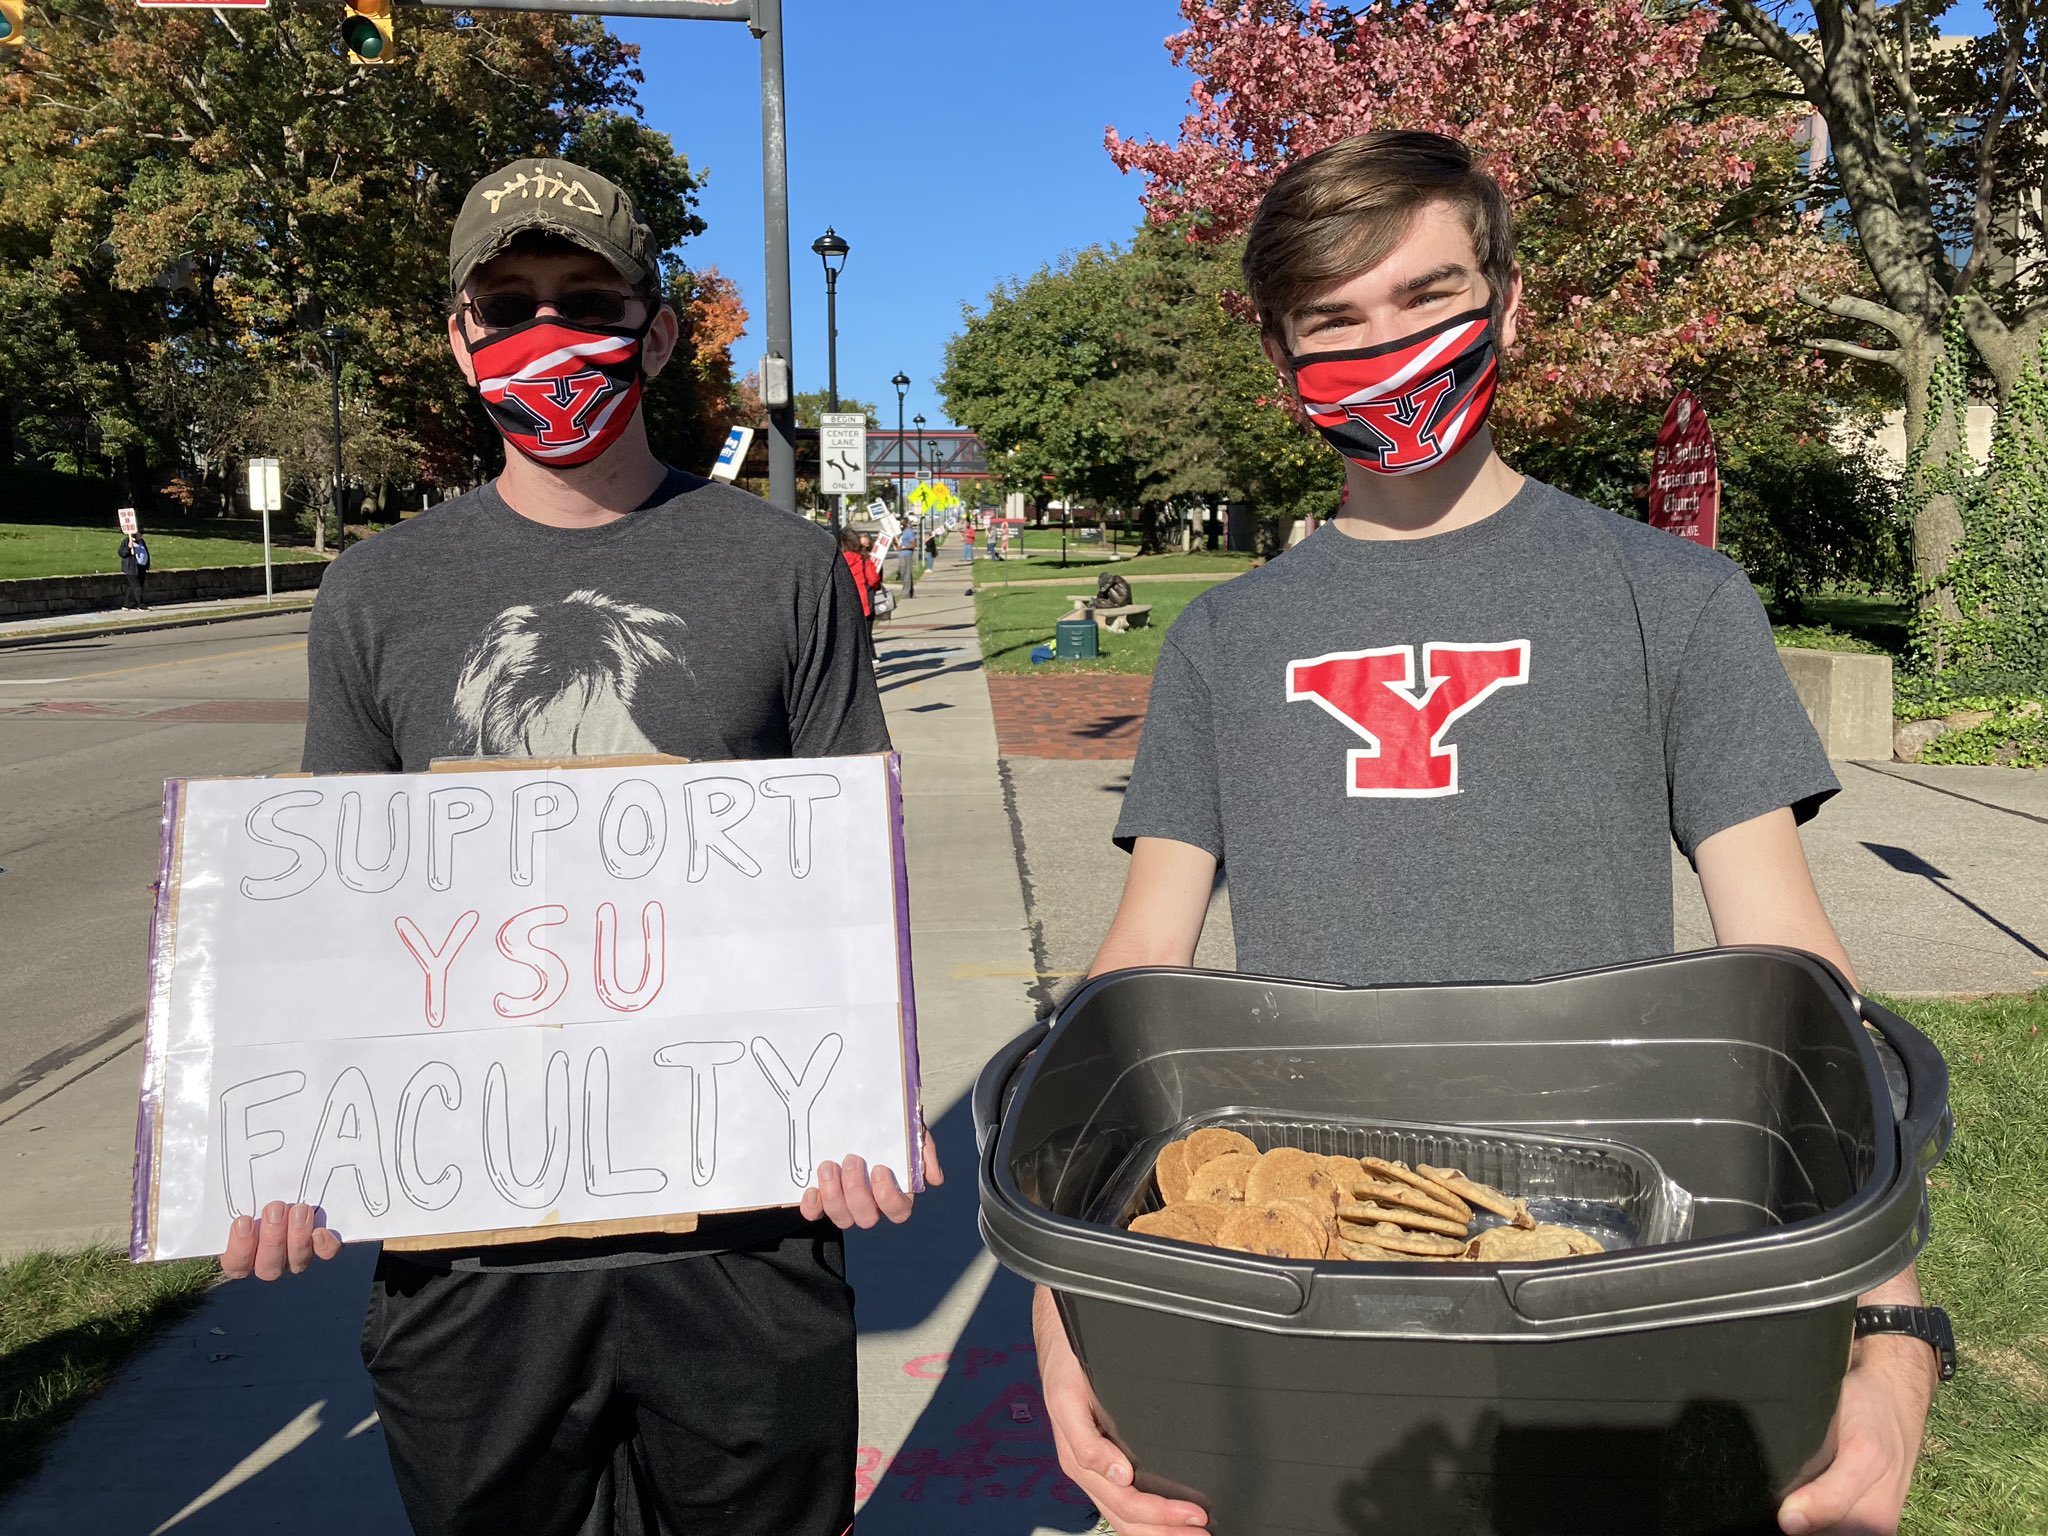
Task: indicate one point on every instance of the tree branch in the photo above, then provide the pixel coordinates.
(1848, 307)
(1766, 37)
(1980, 218)
(1889, 356)
(1899, 70)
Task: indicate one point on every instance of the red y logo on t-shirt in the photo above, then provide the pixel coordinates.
(1374, 694)
(560, 403)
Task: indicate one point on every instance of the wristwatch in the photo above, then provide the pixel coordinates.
(1930, 1325)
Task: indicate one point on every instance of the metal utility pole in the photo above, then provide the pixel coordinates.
(766, 25)
(331, 337)
(764, 20)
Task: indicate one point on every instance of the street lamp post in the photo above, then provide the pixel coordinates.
(331, 338)
(832, 250)
(923, 533)
(902, 383)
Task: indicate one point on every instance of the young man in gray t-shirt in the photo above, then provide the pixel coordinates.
(593, 601)
(1452, 735)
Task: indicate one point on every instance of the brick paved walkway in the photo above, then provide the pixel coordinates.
(1069, 716)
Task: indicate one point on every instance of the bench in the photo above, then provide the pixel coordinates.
(1113, 620)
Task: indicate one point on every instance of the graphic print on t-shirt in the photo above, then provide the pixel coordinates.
(1374, 694)
(561, 679)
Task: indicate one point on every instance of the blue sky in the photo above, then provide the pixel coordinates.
(952, 145)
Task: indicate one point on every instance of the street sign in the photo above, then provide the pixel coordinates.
(1685, 480)
(843, 453)
(266, 495)
(126, 517)
(733, 454)
(265, 489)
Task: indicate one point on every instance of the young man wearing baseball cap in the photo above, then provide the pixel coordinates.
(593, 600)
(1452, 735)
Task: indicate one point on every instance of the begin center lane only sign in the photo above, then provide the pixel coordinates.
(843, 453)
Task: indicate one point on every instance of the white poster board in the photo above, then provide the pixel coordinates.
(125, 516)
(733, 454)
(466, 1002)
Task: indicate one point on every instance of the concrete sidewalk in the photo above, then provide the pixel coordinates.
(16, 632)
(1932, 875)
(254, 1415)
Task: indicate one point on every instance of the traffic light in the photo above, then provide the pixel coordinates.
(13, 23)
(366, 31)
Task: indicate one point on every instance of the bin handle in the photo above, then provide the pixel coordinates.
(992, 1083)
(1927, 1124)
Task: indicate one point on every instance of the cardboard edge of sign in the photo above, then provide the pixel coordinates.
(162, 947)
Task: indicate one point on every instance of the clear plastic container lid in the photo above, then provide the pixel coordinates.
(1615, 1193)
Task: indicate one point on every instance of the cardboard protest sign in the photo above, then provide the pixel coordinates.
(473, 1001)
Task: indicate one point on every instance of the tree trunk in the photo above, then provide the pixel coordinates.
(1934, 438)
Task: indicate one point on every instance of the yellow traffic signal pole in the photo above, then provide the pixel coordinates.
(764, 20)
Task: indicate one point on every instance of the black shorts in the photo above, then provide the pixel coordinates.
(706, 1394)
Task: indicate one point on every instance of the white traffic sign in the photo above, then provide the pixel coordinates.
(126, 518)
(265, 490)
(266, 495)
(843, 453)
(733, 454)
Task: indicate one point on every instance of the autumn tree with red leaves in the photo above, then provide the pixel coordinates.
(1660, 237)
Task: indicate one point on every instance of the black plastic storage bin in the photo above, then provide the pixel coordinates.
(1676, 1388)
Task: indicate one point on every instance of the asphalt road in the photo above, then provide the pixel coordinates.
(89, 731)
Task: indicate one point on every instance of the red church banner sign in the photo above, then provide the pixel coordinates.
(1685, 480)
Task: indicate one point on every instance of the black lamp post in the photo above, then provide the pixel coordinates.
(331, 338)
(923, 533)
(902, 383)
(832, 249)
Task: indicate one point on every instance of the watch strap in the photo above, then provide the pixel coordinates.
(1930, 1325)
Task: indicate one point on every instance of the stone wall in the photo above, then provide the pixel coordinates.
(1848, 696)
(40, 595)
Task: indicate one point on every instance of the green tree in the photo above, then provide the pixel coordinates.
(810, 408)
(190, 193)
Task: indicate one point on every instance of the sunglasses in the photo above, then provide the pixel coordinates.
(584, 306)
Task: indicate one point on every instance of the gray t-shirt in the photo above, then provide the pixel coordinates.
(707, 625)
(1464, 758)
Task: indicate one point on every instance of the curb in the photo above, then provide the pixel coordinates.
(92, 631)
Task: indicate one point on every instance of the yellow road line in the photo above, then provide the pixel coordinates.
(189, 661)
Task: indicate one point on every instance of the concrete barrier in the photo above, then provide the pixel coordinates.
(1848, 696)
(37, 595)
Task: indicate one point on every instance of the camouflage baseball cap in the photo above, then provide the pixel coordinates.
(559, 198)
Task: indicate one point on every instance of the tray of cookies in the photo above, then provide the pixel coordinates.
(1383, 1191)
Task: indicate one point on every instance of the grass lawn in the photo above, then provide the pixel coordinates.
(41, 549)
(1085, 570)
(67, 1323)
(1012, 622)
(1849, 621)
(1985, 1468)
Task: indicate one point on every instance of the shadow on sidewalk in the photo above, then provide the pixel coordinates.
(980, 1456)
(252, 1414)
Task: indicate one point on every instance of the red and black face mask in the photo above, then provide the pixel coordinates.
(560, 393)
(1406, 405)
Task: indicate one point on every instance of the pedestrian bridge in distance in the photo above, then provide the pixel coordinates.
(949, 454)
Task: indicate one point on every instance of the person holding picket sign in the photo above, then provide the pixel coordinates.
(593, 601)
(134, 554)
